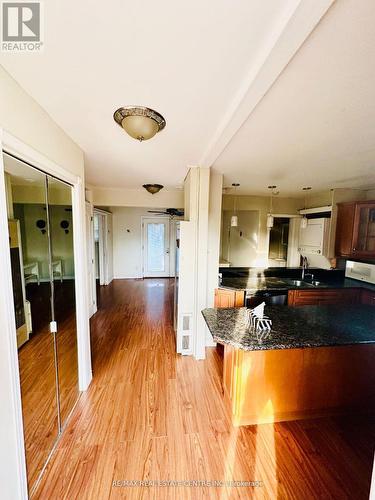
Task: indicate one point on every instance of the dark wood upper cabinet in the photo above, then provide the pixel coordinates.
(355, 230)
(345, 230)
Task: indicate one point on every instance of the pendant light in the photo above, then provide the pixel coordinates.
(270, 218)
(304, 218)
(234, 218)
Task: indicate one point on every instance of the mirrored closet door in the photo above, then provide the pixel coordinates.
(41, 246)
(62, 292)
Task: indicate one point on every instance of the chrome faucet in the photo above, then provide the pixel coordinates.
(305, 266)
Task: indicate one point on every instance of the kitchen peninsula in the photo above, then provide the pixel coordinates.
(317, 360)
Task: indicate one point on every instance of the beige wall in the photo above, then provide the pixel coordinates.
(110, 197)
(35, 243)
(37, 194)
(28, 121)
(127, 242)
(251, 249)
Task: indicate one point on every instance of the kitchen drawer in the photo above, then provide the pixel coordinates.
(323, 297)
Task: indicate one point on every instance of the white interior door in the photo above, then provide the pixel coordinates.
(90, 259)
(156, 251)
(102, 257)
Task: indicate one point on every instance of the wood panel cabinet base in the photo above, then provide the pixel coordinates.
(294, 384)
(229, 298)
(320, 296)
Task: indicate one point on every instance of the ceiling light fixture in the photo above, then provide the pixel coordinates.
(304, 218)
(270, 218)
(234, 218)
(139, 122)
(153, 188)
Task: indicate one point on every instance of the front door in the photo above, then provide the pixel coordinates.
(156, 247)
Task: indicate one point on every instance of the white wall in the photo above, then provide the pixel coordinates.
(213, 250)
(127, 242)
(22, 118)
(187, 282)
(192, 297)
(110, 247)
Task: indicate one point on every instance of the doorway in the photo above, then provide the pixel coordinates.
(156, 247)
(278, 243)
(102, 247)
(40, 223)
(283, 241)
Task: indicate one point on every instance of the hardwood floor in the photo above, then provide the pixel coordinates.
(153, 415)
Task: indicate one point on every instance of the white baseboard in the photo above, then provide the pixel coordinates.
(126, 277)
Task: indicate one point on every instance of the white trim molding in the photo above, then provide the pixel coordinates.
(14, 146)
(13, 476)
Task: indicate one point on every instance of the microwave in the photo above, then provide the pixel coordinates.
(314, 238)
(360, 271)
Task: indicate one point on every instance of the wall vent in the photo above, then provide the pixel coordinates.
(185, 333)
(186, 323)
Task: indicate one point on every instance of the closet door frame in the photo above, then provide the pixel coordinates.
(12, 455)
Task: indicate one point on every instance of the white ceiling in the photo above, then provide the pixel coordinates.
(184, 59)
(200, 64)
(316, 126)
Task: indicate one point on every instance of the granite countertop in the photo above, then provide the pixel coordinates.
(295, 327)
(254, 285)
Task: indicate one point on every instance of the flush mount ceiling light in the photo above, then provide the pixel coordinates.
(153, 188)
(139, 122)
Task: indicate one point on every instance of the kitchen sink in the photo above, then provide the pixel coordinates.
(298, 283)
(303, 283)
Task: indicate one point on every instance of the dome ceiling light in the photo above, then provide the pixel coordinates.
(153, 188)
(139, 122)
